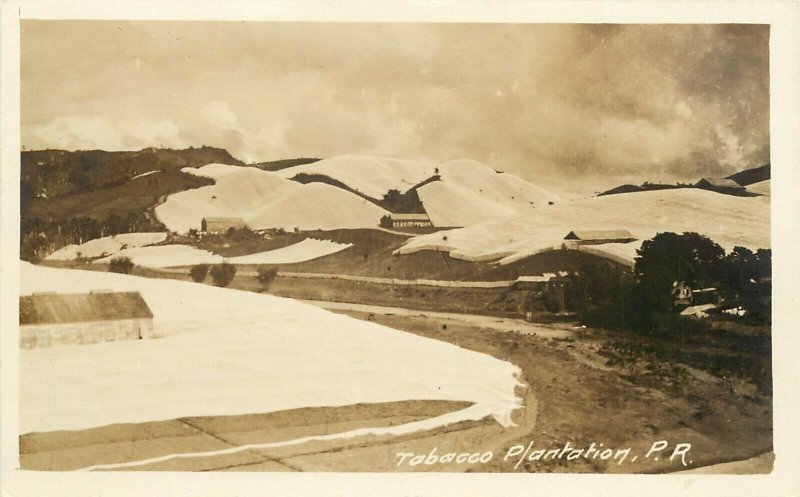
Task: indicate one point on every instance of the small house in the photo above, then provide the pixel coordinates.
(720, 185)
(221, 225)
(410, 220)
(681, 294)
(48, 319)
(535, 283)
(598, 237)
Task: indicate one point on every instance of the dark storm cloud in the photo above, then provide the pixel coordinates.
(588, 104)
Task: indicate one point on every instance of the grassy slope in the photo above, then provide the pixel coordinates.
(97, 184)
(137, 196)
(371, 255)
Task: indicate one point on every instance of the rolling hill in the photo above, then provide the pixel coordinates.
(744, 178)
(505, 217)
(455, 193)
(728, 220)
(51, 174)
(470, 192)
(369, 175)
(266, 200)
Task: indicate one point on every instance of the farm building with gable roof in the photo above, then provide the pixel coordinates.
(722, 185)
(410, 220)
(47, 319)
(598, 237)
(221, 225)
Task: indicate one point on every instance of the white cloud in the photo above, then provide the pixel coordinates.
(220, 115)
(77, 133)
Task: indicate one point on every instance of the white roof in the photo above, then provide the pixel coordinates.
(533, 279)
(409, 217)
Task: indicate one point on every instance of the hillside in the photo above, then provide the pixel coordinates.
(265, 200)
(644, 187)
(754, 175)
(455, 193)
(133, 197)
(70, 197)
(470, 192)
(369, 175)
(761, 188)
(728, 220)
(744, 178)
(57, 173)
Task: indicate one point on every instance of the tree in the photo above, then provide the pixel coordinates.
(266, 275)
(668, 258)
(223, 274)
(741, 269)
(121, 265)
(199, 272)
(386, 221)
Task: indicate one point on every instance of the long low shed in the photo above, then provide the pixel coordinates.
(49, 319)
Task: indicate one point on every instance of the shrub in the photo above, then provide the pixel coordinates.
(266, 275)
(199, 272)
(223, 274)
(121, 265)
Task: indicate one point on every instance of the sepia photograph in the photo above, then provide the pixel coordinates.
(376, 247)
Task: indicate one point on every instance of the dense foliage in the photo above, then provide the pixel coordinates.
(42, 236)
(223, 274)
(643, 301)
(121, 265)
(198, 272)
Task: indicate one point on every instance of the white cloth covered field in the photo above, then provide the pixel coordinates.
(108, 245)
(264, 199)
(228, 352)
(726, 219)
(162, 256)
(165, 256)
(308, 249)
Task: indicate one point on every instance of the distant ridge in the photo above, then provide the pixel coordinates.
(750, 176)
(277, 165)
(744, 178)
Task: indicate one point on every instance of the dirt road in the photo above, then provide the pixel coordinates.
(483, 321)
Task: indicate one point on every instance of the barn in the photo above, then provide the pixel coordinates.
(598, 237)
(221, 225)
(49, 319)
(410, 220)
(721, 185)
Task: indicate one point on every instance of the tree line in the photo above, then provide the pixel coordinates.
(643, 300)
(40, 236)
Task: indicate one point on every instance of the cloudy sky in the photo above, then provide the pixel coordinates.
(576, 107)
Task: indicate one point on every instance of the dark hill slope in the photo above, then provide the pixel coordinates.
(135, 197)
(69, 197)
(750, 176)
(58, 173)
(744, 178)
(277, 165)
